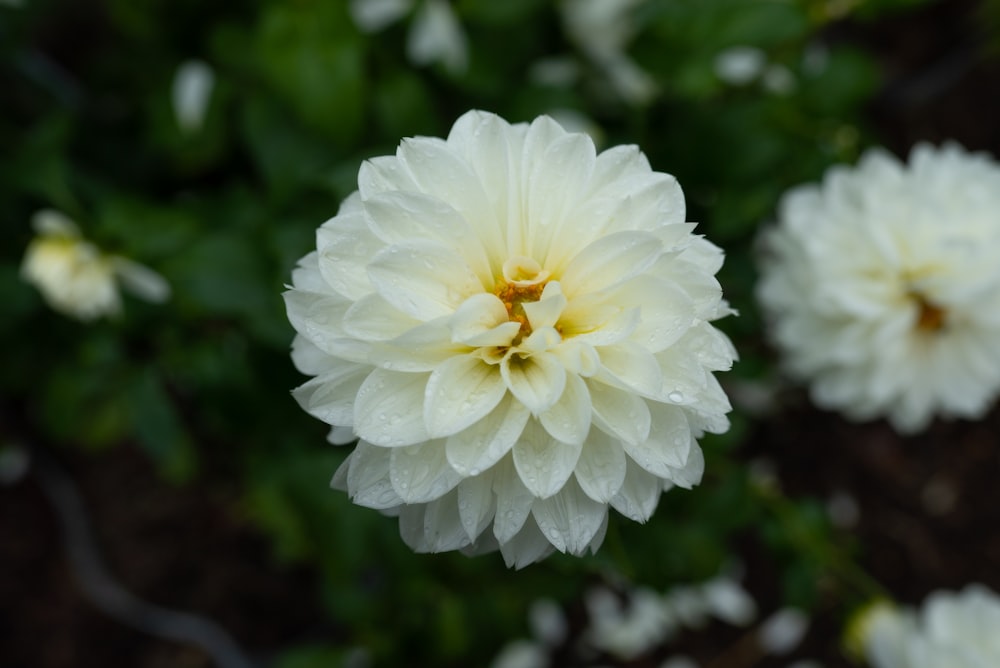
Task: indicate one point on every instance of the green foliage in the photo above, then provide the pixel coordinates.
(302, 96)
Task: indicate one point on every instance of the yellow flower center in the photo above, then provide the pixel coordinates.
(930, 318)
(523, 281)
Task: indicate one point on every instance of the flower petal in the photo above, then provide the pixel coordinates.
(476, 504)
(609, 261)
(537, 381)
(482, 320)
(620, 413)
(527, 547)
(422, 279)
(514, 501)
(639, 495)
(570, 519)
(544, 463)
(668, 444)
(459, 393)
(330, 396)
(368, 477)
(372, 318)
(421, 473)
(600, 470)
(569, 418)
(479, 447)
(389, 408)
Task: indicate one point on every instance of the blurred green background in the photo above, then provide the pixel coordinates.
(192, 397)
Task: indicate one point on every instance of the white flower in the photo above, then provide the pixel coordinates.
(957, 630)
(76, 278)
(739, 65)
(191, 93)
(434, 36)
(518, 331)
(783, 631)
(602, 29)
(631, 627)
(883, 286)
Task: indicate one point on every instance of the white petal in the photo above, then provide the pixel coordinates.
(483, 444)
(368, 477)
(440, 171)
(330, 396)
(141, 281)
(527, 547)
(191, 94)
(476, 504)
(422, 279)
(554, 185)
(346, 246)
(389, 410)
(384, 174)
(537, 381)
(514, 501)
(639, 494)
(668, 444)
(372, 318)
(544, 463)
(546, 311)
(619, 412)
(422, 348)
(49, 222)
(600, 470)
(617, 328)
(570, 519)
(459, 393)
(482, 320)
(578, 358)
(421, 473)
(690, 474)
(441, 528)
(609, 261)
(402, 217)
(631, 367)
(569, 418)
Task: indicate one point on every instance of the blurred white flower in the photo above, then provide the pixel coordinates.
(783, 631)
(435, 34)
(957, 630)
(376, 15)
(76, 278)
(739, 65)
(778, 79)
(602, 29)
(191, 94)
(631, 627)
(519, 332)
(522, 654)
(883, 287)
(725, 599)
(547, 621)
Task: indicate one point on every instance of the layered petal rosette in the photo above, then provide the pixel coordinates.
(517, 331)
(953, 629)
(882, 286)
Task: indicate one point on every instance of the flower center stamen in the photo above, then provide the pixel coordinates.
(523, 281)
(931, 318)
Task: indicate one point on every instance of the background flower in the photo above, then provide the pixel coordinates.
(518, 331)
(76, 278)
(882, 286)
(951, 629)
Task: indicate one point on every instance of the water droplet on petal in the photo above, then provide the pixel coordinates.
(676, 397)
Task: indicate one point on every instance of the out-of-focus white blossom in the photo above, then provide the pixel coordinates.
(783, 631)
(76, 278)
(522, 654)
(191, 94)
(631, 627)
(435, 34)
(602, 29)
(518, 330)
(739, 65)
(882, 286)
(957, 630)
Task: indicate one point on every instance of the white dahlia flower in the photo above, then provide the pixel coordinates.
(883, 286)
(76, 278)
(517, 330)
(957, 630)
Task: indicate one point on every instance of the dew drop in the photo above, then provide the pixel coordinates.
(676, 397)
(474, 472)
